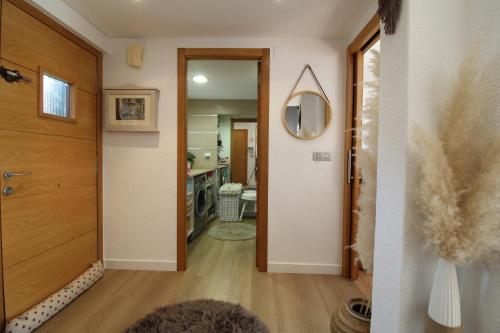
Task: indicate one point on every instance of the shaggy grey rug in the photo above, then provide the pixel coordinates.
(202, 316)
(233, 231)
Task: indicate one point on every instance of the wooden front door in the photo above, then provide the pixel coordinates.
(239, 154)
(48, 159)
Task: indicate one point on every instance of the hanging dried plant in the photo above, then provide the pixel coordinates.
(389, 11)
(459, 188)
(367, 158)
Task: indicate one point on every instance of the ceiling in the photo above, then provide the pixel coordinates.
(227, 79)
(221, 18)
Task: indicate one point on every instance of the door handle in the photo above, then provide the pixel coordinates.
(10, 174)
(350, 155)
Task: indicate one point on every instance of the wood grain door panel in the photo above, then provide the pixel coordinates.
(239, 156)
(31, 281)
(50, 222)
(34, 224)
(56, 163)
(30, 43)
(19, 109)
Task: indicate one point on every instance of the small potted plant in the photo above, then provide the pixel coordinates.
(190, 160)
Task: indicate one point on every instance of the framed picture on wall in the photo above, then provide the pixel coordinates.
(132, 110)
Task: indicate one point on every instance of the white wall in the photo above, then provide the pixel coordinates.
(418, 65)
(305, 197)
(362, 19)
(68, 17)
(391, 179)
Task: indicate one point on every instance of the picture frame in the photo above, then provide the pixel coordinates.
(131, 110)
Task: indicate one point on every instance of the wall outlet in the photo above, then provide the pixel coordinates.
(321, 156)
(208, 156)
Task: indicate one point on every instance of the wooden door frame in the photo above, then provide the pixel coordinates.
(262, 55)
(364, 39)
(246, 155)
(3, 319)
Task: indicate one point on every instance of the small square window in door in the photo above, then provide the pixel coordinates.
(57, 97)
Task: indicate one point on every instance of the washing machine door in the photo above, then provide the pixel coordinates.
(201, 202)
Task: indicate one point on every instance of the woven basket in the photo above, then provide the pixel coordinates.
(229, 207)
(230, 202)
(345, 322)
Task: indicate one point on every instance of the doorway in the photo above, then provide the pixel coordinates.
(239, 156)
(357, 72)
(244, 136)
(262, 56)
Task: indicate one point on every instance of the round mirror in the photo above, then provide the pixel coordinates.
(307, 115)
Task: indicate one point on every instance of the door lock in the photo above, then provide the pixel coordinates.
(12, 75)
(8, 190)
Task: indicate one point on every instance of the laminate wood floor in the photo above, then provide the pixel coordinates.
(222, 270)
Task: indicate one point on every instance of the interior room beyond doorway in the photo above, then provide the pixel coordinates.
(223, 110)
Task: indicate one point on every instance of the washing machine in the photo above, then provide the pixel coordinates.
(200, 205)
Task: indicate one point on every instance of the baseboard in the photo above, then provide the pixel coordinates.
(140, 265)
(272, 266)
(303, 268)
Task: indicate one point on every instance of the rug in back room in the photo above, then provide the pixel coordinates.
(233, 231)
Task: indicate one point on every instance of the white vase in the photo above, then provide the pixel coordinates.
(444, 304)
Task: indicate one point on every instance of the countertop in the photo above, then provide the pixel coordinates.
(197, 172)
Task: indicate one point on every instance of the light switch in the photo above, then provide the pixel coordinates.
(208, 156)
(321, 156)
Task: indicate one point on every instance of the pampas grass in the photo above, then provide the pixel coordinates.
(458, 194)
(367, 162)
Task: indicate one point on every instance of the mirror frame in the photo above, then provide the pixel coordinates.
(329, 114)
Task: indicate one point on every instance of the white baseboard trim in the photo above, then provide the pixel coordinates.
(303, 268)
(140, 265)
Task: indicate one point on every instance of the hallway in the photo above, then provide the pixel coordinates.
(216, 269)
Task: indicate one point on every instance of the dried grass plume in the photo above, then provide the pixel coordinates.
(367, 162)
(458, 193)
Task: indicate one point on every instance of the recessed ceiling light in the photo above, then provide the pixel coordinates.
(200, 79)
